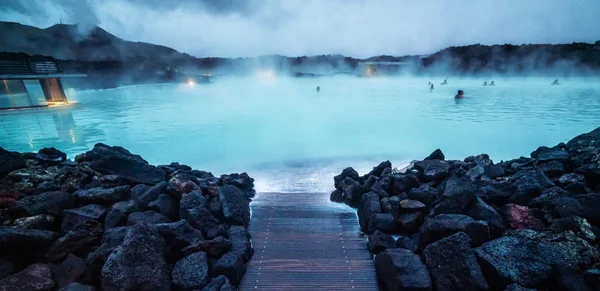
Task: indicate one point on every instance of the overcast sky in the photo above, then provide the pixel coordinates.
(359, 28)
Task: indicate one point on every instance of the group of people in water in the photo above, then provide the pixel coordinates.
(460, 93)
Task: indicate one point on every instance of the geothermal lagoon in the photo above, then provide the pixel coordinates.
(291, 138)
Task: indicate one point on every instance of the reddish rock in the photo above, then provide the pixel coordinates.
(518, 217)
(34, 277)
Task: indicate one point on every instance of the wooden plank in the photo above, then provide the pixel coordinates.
(302, 241)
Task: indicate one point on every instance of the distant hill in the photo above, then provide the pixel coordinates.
(111, 61)
(512, 59)
(71, 42)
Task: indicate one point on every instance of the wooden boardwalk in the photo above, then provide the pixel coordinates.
(302, 241)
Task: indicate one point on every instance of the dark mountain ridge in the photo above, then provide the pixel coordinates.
(115, 61)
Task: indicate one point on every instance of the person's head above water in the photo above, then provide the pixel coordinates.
(459, 94)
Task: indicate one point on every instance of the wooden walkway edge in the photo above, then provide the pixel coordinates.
(302, 241)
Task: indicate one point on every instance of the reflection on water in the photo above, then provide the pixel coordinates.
(35, 128)
(291, 138)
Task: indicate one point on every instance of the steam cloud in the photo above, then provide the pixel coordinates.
(358, 28)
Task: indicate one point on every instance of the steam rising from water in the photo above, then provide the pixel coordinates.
(292, 138)
(359, 28)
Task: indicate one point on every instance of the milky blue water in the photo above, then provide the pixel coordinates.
(291, 138)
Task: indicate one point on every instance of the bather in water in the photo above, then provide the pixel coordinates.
(555, 82)
(431, 87)
(460, 94)
(318, 89)
(485, 83)
(445, 82)
(492, 84)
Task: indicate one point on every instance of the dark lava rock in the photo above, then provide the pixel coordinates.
(192, 199)
(214, 248)
(138, 263)
(459, 192)
(530, 184)
(408, 205)
(51, 155)
(46, 203)
(352, 191)
(119, 161)
(231, 265)
(592, 276)
(150, 217)
(220, 283)
(37, 277)
(571, 178)
(10, 161)
(384, 222)
(179, 235)
(401, 269)
(391, 205)
(182, 182)
(433, 170)
(236, 207)
(115, 236)
(6, 268)
(559, 203)
(191, 272)
(436, 155)
(579, 226)
(405, 242)
(444, 225)
(584, 148)
(214, 205)
(479, 232)
(493, 171)
(496, 192)
(115, 218)
(111, 239)
(80, 239)
(453, 265)
(526, 257)
(172, 167)
(479, 210)
(402, 183)
(163, 204)
(142, 199)
(346, 173)
(546, 154)
(241, 181)
(424, 193)
(368, 207)
(241, 241)
(517, 287)
(73, 217)
(200, 218)
(409, 222)
(13, 239)
(336, 196)
(72, 269)
(568, 278)
(379, 241)
(77, 287)
(519, 217)
(42, 221)
(103, 196)
(552, 169)
(377, 171)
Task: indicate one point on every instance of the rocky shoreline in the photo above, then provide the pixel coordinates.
(111, 221)
(524, 224)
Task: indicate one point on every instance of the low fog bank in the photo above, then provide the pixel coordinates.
(110, 61)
